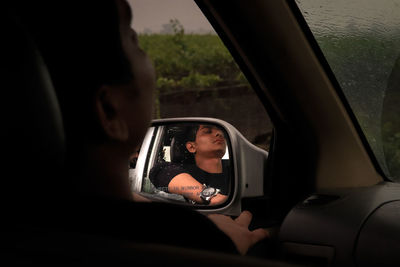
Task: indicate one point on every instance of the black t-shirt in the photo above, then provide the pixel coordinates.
(162, 174)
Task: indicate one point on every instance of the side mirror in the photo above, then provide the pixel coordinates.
(224, 165)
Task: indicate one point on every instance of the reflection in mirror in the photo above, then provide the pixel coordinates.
(132, 165)
(190, 164)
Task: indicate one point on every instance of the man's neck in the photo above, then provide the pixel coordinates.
(210, 165)
(105, 175)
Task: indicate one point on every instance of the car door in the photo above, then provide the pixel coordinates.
(319, 153)
(324, 166)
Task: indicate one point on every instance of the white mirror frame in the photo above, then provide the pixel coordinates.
(248, 162)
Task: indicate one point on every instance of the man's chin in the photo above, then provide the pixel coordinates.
(220, 153)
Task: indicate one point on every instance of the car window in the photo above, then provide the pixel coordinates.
(360, 39)
(196, 75)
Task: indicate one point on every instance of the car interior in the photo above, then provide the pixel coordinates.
(178, 154)
(32, 98)
(331, 204)
(31, 94)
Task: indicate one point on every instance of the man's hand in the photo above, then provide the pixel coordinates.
(218, 199)
(238, 230)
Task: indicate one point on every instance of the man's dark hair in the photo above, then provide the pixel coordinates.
(188, 133)
(81, 45)
(184, 134)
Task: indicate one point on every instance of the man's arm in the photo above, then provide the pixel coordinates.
(186, 185)
(238, 230)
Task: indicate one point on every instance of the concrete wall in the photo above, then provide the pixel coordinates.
(237, 105)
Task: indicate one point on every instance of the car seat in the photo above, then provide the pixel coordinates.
(179, 153)
(33, 136)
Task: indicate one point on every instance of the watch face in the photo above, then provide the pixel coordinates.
(209, 191)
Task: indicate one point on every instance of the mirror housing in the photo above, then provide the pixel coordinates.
(248, 163)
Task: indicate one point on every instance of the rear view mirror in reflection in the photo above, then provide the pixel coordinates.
(192, 161)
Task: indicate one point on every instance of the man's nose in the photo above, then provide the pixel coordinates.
(218, 133)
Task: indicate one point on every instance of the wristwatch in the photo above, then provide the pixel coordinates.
(208, 193)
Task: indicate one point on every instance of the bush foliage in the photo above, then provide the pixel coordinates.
(190, 61)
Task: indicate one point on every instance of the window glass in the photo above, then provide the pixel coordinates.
(196, 75)
(361, 42)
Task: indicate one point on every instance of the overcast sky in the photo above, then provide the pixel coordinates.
(325, 15)
(152, 14)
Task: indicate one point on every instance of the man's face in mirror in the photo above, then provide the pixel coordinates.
(209, 142)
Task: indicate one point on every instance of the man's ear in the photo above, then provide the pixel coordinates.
(107, 108)
(191, 147)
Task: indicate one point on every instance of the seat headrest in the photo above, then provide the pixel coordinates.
(33, 138)
(179, 153)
